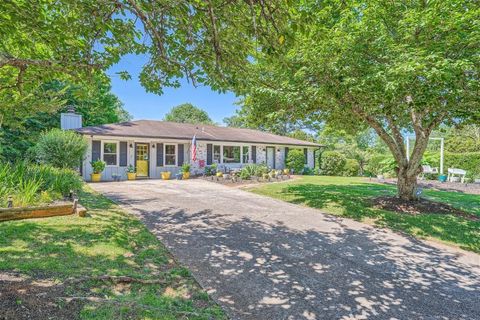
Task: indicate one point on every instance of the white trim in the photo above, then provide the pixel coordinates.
(165, 155)
(117, 152)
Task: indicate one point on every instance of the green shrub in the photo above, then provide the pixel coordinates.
(333, 163)
(307, 171)
(61, 149)
(351, 168)
(253, 170)
(295, 160)
(30, 183)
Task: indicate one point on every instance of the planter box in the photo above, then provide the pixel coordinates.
(62, 209)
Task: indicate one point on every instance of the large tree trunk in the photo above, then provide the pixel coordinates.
(407, 184)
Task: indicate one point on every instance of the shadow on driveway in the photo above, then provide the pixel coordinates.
(271, 268)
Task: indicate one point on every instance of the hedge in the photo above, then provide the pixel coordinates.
(333, 163)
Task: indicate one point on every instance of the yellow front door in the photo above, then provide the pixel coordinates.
(142, 159)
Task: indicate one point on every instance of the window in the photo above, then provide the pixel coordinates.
(110, 153)
(170, 155)
(245, 154)
(231, 154)
(216, 154)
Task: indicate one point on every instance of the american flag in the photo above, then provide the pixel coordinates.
(194, 148)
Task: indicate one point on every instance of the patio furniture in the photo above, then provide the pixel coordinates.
(428, 170)
(456, 173)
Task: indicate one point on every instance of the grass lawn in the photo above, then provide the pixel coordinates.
(48, 253)
(348, 197)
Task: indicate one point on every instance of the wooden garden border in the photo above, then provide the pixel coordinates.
(61, 209)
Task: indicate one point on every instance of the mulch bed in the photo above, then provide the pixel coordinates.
(422, 206)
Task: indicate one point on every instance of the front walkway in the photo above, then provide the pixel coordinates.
(261, 258)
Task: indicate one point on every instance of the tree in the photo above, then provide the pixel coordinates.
(61, 149)
(188, 113)
(208, 42)
(96, 103)
(398, 67)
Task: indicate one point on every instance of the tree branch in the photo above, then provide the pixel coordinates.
(380, 130)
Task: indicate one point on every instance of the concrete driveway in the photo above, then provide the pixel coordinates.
(261, 258)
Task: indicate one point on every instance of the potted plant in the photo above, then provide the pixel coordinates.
(131, 174)
(166, 175)
(186, 171)
(98, 166)
(213, 168)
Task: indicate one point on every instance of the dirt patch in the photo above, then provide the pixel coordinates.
(421, 206)
(22, 297)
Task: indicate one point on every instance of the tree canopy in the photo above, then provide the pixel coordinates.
(188, 113)
(96, 104)
(208, 42)
(399, 67)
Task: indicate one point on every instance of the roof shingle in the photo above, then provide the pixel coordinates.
(185, 131)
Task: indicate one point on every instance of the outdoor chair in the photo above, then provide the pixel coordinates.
(454, 172)
(428, 170)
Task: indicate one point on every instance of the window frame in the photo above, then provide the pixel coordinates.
(165, 154)
(233, 146)
(220, 154)
(117, 153)
(242, 155)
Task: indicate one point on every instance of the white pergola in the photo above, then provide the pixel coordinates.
(441, 149)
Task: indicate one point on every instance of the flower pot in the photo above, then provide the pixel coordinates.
(442, 178)
(96, 177)
(166, 175)
(131, 175)
(186, 175)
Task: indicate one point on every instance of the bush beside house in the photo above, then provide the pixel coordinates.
(295, 160)
(61, 149)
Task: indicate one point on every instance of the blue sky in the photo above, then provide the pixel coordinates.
(143, 105)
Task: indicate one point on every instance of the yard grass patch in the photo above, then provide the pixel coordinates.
(108, 242)
(350, 197)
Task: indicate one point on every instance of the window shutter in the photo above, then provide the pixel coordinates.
(286, 153)
(254, 154)
(96, 150)
(209, 154)
(159, 154)
(305, 152)
(180, 154)
(123, 154)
